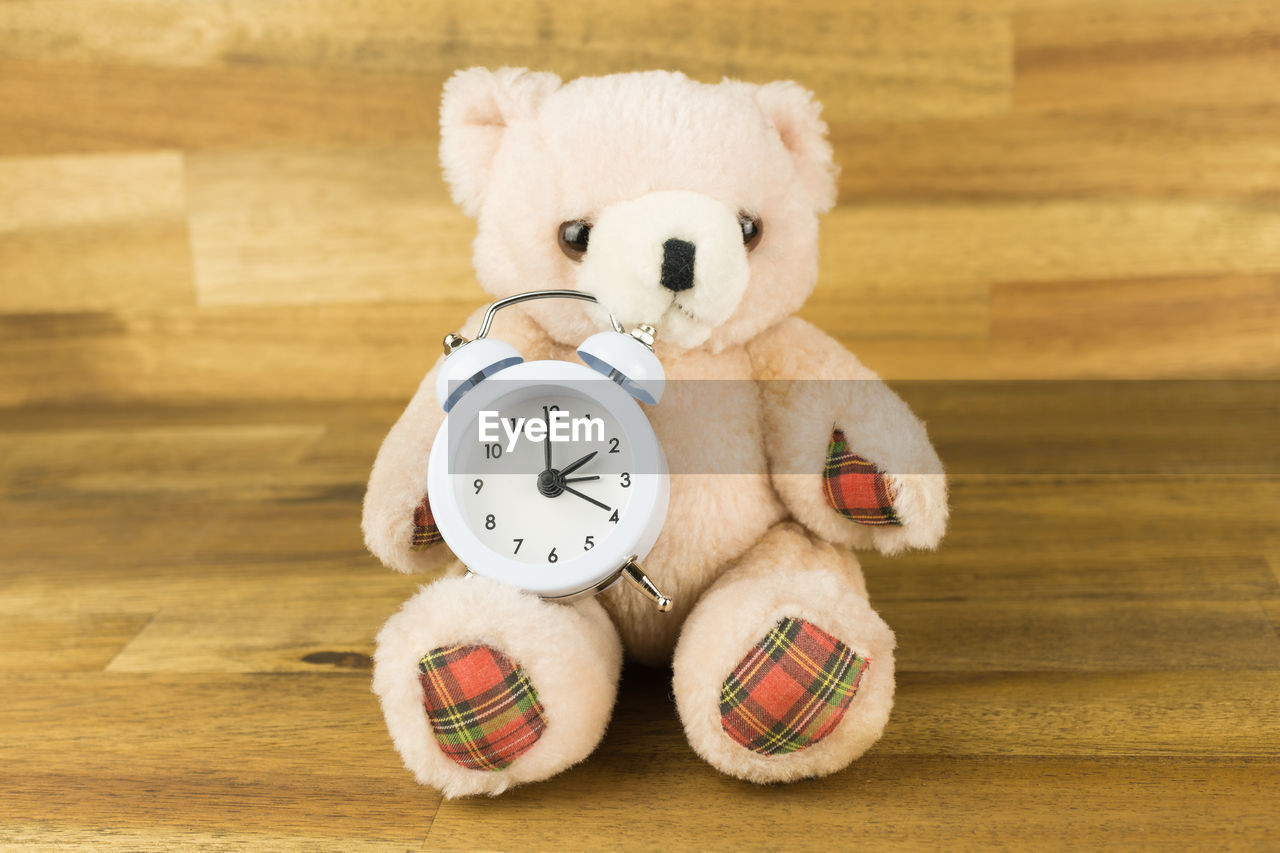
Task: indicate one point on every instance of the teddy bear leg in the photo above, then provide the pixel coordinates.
(783, 671)
(484, 686)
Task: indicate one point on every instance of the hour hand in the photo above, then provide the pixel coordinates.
(576, 464)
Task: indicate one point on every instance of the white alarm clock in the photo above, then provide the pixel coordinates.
(547, 474)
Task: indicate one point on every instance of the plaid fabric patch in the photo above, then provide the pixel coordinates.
(791, 690)
(425, 531)
(855, 488)
(482, 707)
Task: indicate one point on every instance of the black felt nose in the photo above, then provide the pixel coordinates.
(677, 264)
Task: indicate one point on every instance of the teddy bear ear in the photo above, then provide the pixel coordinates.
(477, 107)
(796, 115)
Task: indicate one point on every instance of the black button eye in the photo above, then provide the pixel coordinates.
(752, 229)
(573, 238)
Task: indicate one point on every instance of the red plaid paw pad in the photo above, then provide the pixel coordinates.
(482, 707)
(425, 531)
(791, 690)
(856, 488)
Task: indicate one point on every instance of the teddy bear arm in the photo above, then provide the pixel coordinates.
(848, 458)
(397, 522)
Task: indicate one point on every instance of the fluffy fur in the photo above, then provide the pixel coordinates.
(749, 537)
(571, 653)
(786, 574)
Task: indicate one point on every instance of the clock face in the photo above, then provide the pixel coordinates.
(553, 484)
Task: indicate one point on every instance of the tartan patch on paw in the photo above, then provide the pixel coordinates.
(856, 488)
(791, 690)
(482, 707)
(425, 531)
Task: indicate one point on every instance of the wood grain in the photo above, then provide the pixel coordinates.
(227, 258)
(188, 614)
(88, 233)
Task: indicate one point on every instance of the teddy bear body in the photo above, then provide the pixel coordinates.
(785, 451)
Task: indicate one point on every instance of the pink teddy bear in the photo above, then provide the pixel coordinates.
(782, 669)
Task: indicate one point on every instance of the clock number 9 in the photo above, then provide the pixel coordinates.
(478, 485)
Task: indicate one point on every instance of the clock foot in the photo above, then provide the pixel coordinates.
(632, 572)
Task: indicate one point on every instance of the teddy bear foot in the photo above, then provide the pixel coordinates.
(484, 687)
(783, 671)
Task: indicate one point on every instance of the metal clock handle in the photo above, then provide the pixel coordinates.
(453, 340)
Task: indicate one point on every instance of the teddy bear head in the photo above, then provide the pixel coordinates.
(689, 206)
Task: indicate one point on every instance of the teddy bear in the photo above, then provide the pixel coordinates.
(693, 207)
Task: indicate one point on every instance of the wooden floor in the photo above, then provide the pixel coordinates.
(226, 255)
(188, 611)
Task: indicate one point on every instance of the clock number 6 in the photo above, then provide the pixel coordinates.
(552, 557)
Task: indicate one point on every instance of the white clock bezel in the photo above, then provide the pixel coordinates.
(637, 529)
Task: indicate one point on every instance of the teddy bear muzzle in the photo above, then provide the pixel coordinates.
(674, 259)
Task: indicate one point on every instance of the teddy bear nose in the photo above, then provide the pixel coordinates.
(677, 264)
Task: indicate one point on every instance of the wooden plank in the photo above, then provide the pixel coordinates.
(362, 225)
(253, 634)
(955, 251)
(91, 459)
(304, 756)
(88, 233)
(323, 352)
(58, 640)
(1091, 54)
(993, 575)
(274, 66)
(1065, 634)
(944, 797)
(1173, 326)
(888, 803)
(45, 837)
(54, 106)
(1139, 150)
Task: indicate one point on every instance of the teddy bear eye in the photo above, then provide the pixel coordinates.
(752, 229)
(573, 238)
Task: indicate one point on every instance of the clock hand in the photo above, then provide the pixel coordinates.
(582, 479)
(574, 466)
(546, 439)
(574, 491)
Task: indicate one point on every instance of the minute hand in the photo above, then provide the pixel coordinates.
(574, 466)
(573, 491)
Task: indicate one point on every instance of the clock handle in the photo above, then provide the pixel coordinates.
(517, 298)
(631, 571)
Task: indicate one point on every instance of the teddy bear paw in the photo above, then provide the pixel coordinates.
(791, 690)
(783, 671)
(484, 686)
(483, 708)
